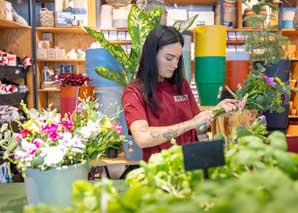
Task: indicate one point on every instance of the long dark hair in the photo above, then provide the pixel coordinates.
(147, 73)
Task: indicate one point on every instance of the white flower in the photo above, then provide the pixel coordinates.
(90, 130)
(75, 143)
(29, 148)
(53, 156)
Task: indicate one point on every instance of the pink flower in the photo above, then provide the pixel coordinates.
(19, 138)
(67, 124)
(24, 133)
(269, 80)
(37, 142)
(118, 128)
(51, 131)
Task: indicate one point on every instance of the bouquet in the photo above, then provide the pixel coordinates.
(46, 141)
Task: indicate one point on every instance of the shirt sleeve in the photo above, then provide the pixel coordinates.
(194, 105)
(133, 105)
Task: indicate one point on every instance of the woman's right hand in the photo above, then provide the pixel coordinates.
(204, 117)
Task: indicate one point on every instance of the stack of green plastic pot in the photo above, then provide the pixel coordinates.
(210, 62)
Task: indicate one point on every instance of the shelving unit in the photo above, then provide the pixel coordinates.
(16, 38)
(61, 38)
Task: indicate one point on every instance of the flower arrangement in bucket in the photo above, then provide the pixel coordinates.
(48, 150)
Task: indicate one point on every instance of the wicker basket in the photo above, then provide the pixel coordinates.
(46, 18)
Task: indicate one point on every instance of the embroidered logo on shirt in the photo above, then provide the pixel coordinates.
(180, 98)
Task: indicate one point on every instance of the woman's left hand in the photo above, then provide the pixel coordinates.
(228, 105)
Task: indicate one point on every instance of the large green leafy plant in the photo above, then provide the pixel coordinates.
(139, 26)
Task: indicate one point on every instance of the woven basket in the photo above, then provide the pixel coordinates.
(46, 18)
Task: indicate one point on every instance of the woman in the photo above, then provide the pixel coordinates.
(159, 104)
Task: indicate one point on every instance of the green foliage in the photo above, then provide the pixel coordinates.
(139, 26)
(269, 190)
(165, 171)
(259, 175)
(265, 44)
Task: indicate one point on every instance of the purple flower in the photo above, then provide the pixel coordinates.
(263, 119)
(269, 80)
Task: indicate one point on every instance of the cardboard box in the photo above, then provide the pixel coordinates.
(51, 53)
(42, 53)
(60, 53)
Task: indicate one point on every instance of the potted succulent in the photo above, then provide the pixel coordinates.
(53, 153)
(72, 87)
(268, 56)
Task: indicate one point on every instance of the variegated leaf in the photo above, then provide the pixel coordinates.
(155, 15)
(184, 25)
(115, 49)
(113, 75)
(139, 27)
(134, 59)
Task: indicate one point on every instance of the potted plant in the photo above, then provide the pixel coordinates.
(267, 55)
(72, 87)
(53, 153)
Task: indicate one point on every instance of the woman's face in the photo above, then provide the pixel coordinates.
(167, 60)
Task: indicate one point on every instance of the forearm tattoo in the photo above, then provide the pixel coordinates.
(165, 133)
(169, 134)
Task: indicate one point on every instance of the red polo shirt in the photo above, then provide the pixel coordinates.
(173, 109)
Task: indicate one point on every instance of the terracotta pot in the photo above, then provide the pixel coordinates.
(236, 73)
(69, 97)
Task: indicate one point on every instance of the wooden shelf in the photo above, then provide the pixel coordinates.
(293, 116)
(188, 2)
(236, 42)
(120, 160)
(54, 89)
(120, 42)
(61, 60)
(291, 3)
(289, 32)
(114, 29)
(77, 30)
(246, 29)
(12, 24)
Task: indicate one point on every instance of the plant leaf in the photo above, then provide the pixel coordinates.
(118, 77)
(139, 27)
(115, 49)
(154, 15)
(134, 59)
(184, 25)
